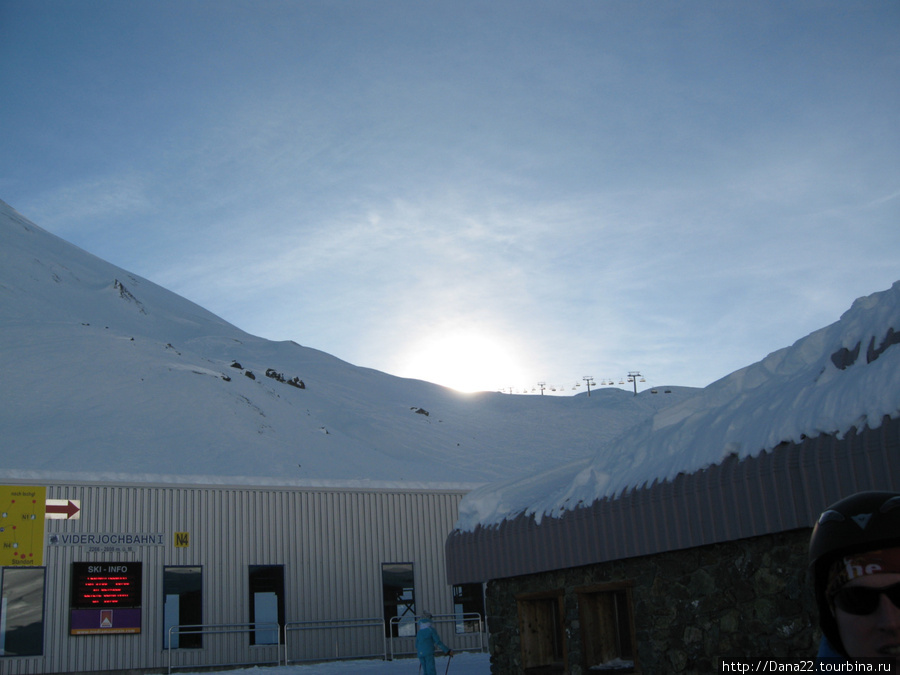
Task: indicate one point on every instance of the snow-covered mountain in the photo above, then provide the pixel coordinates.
(108, 376)
(842, 376)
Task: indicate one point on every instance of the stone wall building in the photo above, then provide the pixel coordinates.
(675, 577)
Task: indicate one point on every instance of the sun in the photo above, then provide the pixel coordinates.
(464, 360)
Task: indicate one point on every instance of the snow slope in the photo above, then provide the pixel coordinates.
(109, 376)
(842, 376)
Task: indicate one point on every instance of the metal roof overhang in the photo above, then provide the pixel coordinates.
(776, 491)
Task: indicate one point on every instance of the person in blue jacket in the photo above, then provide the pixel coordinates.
(854, 557)
(427, 639)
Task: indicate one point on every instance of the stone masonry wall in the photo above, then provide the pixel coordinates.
(692, 608)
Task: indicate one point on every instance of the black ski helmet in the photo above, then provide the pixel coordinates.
(861, 522)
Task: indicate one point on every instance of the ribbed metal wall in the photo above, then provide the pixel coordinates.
(774, 492)
(331, 542)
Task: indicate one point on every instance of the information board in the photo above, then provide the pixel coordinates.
(106, 598)
(22, 525)
(106, 585)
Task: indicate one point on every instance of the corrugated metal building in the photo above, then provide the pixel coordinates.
(99, 577)
(556, 588)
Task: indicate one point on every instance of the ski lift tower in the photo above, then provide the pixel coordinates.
(633, 377)
(590, 380)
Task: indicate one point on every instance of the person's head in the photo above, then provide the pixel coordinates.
(854, 557)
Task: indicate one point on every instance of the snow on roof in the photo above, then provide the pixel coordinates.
(842, 376)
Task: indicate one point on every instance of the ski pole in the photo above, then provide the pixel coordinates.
(447, 669)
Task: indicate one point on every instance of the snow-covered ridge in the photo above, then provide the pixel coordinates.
(842, 376)
(108, 376)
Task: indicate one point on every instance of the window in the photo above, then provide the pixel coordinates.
(266, 602)
(399, 599)
(468, 600)
(607, 628)
(22, 611)
(541, 633)
(182, 606)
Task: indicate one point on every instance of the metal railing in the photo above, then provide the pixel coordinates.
(333, 626)
(449, 639)
(223, 629)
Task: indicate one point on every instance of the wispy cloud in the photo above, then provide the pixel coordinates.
(78, 207)
(884, 200)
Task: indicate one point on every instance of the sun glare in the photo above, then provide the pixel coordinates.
(467, 362)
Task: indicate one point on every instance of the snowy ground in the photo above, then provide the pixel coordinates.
(461, 664)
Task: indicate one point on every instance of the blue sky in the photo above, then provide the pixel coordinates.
(480, 194)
